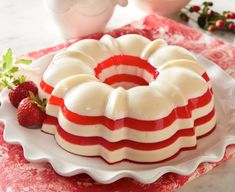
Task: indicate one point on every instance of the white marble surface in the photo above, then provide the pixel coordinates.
(25, 26)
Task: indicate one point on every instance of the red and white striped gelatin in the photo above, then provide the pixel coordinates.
(127, 98)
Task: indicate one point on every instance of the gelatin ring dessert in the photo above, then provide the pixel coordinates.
(127, 98)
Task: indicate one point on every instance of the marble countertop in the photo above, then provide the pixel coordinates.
(26, 26)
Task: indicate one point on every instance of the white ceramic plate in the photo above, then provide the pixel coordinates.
(41, 147)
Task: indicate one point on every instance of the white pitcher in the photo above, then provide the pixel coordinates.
(78, 18)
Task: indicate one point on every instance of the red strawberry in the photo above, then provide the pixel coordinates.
(21, 91)
(31, 112)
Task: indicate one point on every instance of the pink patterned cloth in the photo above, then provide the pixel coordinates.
(16, 174)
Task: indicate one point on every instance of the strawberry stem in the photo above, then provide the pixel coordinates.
(41, 104)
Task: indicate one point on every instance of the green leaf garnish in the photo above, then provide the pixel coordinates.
(23, 61)
(9, 68)
(7, 59)
(4, 82)
(13, 69)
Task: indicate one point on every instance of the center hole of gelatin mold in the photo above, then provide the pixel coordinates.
(125, 71)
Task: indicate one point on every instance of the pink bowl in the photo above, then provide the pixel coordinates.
(162, 7)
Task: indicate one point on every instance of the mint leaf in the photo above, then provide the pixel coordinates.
(23, 61)
(7, 59)
(8, 70)
(4, 82)
(13, 69)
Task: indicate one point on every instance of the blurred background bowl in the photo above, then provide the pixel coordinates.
(161, 7)
(77, 18)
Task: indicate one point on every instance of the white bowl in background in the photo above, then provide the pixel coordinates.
(162, 7)
(76, 18)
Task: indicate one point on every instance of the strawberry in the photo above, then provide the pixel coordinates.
(31, 112)
(21, 91)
